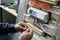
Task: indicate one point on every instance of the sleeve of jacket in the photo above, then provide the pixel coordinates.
(7, 28)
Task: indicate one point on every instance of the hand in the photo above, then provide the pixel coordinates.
(26, 35)
(20, 27)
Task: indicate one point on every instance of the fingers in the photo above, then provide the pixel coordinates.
(29, 31)
(23, 28)
(23, 24)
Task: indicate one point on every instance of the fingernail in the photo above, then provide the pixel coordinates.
(28, 30)
(24, 28)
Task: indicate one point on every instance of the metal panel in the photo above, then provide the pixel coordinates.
(0, 14)
(22, 10)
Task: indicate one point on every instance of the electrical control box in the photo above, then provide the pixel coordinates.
(46, 21)
(38, 13)
(42, 16)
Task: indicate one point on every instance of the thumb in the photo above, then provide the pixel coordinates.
(28, 30)
(23, 28)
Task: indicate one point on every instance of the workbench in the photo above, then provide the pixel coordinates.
(12, 11)
(8, 15)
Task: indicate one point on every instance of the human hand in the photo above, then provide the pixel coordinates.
(20, 27)
(26, 35)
